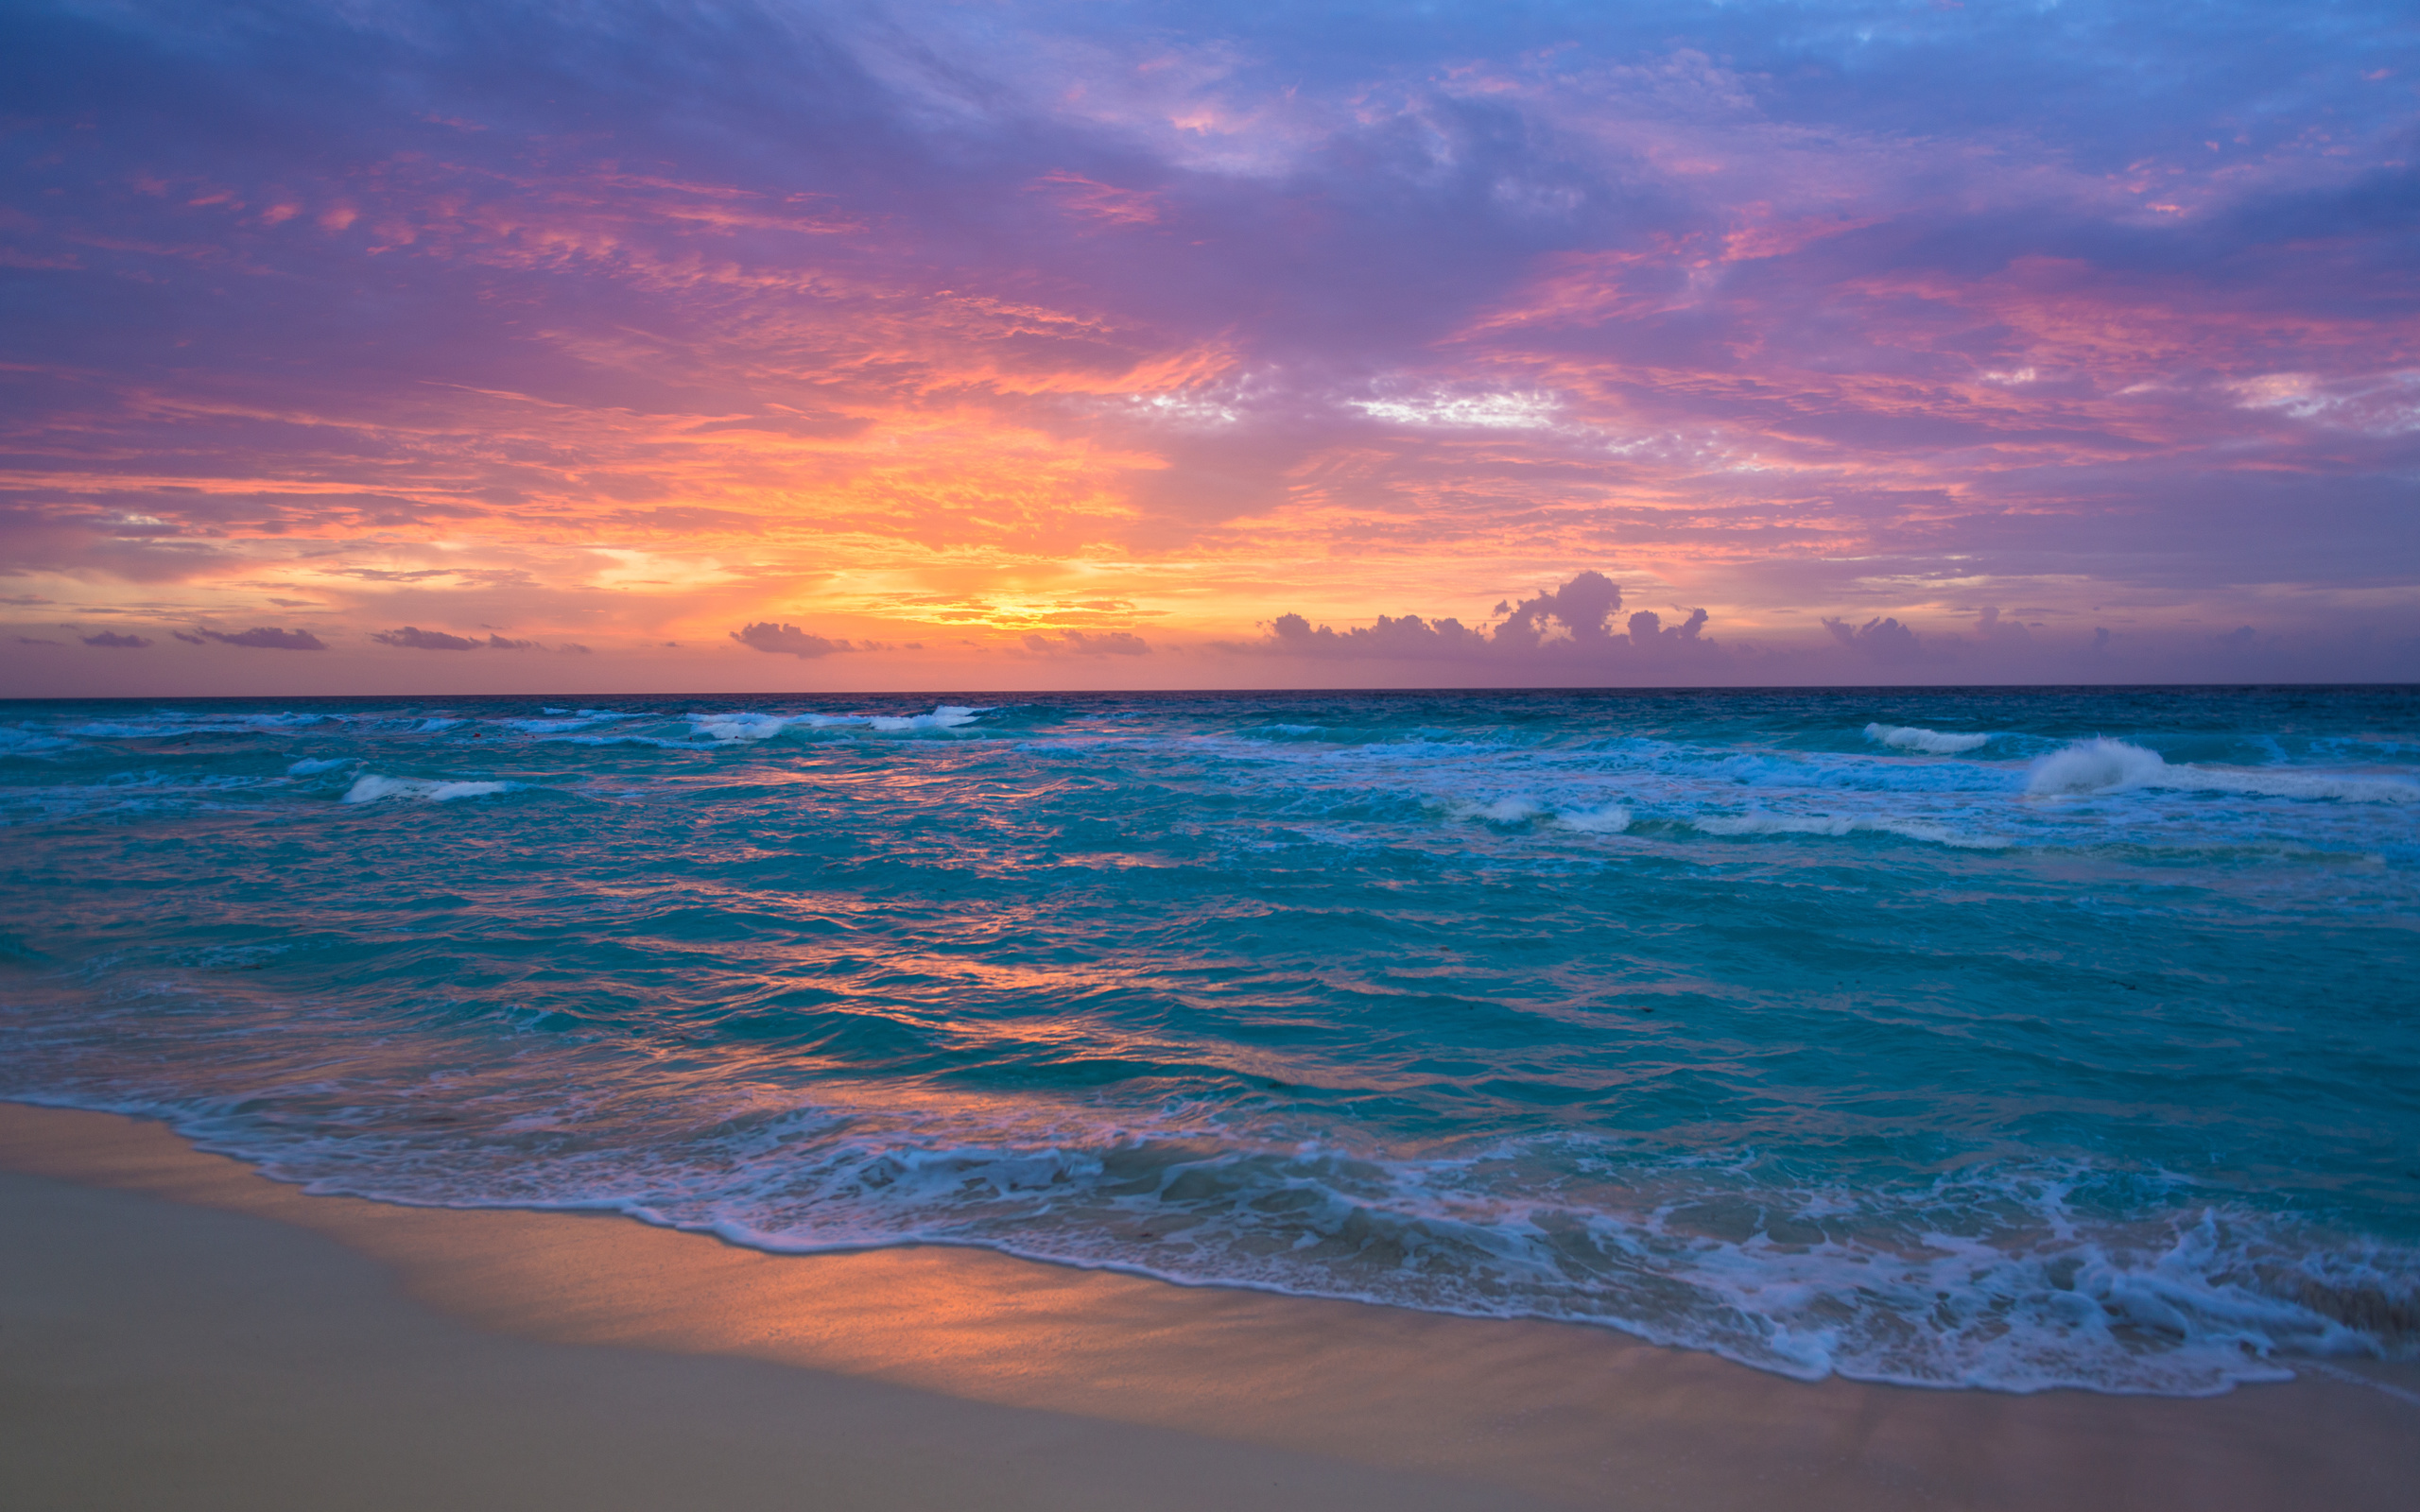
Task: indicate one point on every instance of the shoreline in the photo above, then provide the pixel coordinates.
(913, 1375)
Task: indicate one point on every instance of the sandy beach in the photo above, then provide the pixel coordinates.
(184, 1332)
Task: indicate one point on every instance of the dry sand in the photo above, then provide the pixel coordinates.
(180, 1332)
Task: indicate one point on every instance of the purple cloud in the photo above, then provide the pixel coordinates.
(413, 637)
(1566, 627)
(787, 640)
(1093, 642)
(268, 638)
(1882, 640)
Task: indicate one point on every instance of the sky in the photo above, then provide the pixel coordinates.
(631, 346)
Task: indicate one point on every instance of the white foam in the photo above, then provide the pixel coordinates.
(2105, 765)
(1834, 824)
(944, 716)
(2097, 766)
(431, 726)
(739, 727)
(311, 766)
(369, 787)
(659, 742)
(1505, 811)
(1610, 818)
(123, 729)
(582, 720)
(1915, 737)
(1985, 1277)
(755, 727)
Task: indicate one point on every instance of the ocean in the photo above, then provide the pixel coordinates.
(1992, 1038)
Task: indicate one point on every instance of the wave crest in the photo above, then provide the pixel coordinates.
(2105, 765)
(1915, 737)
(749, 726)
(369, 787)
(1735, 825)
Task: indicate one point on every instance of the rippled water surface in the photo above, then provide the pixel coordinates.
(1997, 1038)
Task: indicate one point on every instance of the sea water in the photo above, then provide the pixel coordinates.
(1997, 1038)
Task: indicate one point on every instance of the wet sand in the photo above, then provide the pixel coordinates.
(182, 1332)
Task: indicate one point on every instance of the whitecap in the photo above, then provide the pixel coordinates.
(2105, 765)
(944, 716)
(1609, 818)
(1915, 737)
(1833, 824)
(369, 787)
(122, 730)
(755, 727)
(739, 727)
(311, 766)
(584, 720)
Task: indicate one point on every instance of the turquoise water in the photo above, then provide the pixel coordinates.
(1994, 1038)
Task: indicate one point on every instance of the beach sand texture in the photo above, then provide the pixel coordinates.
(183, 1333)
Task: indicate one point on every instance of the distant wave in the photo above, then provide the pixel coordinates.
(169, 723)
(2105, 765)
(369, 787)
(754, 727)
(1915, 737)
(1601, 818)
(582, 720)
(1610, 818)
(1744, 824)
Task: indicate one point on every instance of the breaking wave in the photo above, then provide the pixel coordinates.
(2011, 1275)
(2104, 765)
(1914, 737)
(1830, 824)
(369, 787)
(746, 727)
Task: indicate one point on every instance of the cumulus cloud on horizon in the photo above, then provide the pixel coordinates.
(1576, 633)
(788, 639)
(1573, 623)
(415, 639)
(260, 638)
